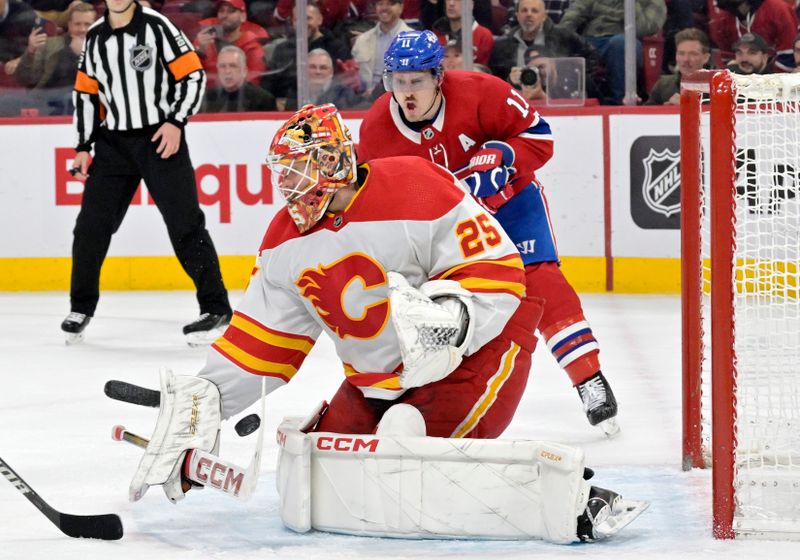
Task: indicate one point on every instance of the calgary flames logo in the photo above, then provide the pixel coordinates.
(326, 287)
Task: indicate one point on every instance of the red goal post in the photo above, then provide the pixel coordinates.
(740, 251)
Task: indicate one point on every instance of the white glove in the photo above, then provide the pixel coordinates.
(433, 335)
(189, 418)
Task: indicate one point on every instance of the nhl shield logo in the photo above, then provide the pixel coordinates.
(141, 57)
(427, 133)
(662, 179)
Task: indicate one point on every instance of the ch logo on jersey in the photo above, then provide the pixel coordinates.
(339, 293)
(141, 57)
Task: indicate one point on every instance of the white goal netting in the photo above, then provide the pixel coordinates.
(766, 297)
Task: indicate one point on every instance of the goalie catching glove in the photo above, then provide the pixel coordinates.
(490, 170)
(434, 327)
(189, 418)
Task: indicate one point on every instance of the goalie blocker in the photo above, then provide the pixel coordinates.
(428, 487)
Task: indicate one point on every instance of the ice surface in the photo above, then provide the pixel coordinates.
(55, 428)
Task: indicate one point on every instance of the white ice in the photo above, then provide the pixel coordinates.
(55, 426)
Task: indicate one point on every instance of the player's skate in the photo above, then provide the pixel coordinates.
(206, 329)
(606, 514)
(73, 326)
(599, 403)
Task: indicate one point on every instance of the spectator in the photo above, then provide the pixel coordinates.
(323, 86)
(752, 55)
(231, 15)
(283, 61)
(602, 22)
(433, 10)
(52, 62)
(234, 93)
(449, 27)
(555, 9)
(679, 16)
(370, 46)
(773, 20)
(692, 53)
(453, 58)
(333, 12)
(17, 20)
(534, 28)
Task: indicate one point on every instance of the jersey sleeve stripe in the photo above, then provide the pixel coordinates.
(372, 380)
(264, 350)
(253, 364)
(505, 276)
(185, 65)
(481, 285)
(511, 261)
(270, 336)
(85, 84)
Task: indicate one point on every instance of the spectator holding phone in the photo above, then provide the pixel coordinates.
(17, 20)
(51, 62)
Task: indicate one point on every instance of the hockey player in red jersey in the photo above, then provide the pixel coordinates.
(487, 134)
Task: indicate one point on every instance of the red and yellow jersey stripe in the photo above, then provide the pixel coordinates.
(503, 275)
(263, 351)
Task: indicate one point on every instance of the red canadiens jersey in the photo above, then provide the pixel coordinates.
(476, 108)
(333, 279)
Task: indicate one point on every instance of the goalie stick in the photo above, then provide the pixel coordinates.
(107, 527)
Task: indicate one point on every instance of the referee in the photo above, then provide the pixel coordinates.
(138, 82)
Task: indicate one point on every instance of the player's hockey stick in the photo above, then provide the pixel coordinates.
(107, 527)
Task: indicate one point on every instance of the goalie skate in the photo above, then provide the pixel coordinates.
(606, 514)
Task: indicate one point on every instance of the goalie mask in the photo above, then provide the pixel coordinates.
(310, 158)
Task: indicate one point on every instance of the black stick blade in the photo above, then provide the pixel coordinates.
(107, 527)
(134, 394)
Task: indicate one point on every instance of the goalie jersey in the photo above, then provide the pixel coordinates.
(333, 279)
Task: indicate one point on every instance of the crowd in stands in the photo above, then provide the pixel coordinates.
(248, 47)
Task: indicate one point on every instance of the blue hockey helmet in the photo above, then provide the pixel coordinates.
(413, 51)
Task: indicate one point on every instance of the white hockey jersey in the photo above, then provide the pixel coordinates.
(409, 216)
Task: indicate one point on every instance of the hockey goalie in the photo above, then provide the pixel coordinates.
(423, 295)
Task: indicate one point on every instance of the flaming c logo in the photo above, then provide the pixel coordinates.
(325, 287)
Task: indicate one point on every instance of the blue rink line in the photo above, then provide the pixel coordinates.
(676, 525)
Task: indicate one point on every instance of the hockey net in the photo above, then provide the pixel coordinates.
(740, 181)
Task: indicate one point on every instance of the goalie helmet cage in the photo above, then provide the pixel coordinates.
(740, 251)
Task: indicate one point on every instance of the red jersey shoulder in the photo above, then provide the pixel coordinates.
(405, 188)
(281, 229)
(376, 123)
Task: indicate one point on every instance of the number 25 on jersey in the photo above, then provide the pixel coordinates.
(475, 233)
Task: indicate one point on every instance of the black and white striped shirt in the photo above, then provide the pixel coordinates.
(140, 75)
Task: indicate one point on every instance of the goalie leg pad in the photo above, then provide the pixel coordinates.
(427, 487)
(189, 418)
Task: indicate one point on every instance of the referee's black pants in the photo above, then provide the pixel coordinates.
(121, 160)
